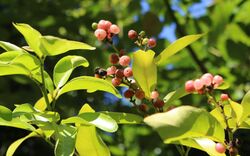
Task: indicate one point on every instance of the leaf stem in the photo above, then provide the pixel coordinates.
(180, 150)
(44, 91)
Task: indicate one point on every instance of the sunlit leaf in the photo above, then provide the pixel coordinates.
(13, 69)
(55, 46)
(186, 122)
(12, 148)
(145, 71)
(31, 36)
(90, 84)
(216, 113)
(223, 86)
(64, 68)
(237, 111)
(66, 139)
(175, 47)
(124, 118)
(246, 105)
(17, 123)
(5, 113)
(9, 46)
(41, 103)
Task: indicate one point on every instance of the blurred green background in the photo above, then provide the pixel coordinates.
(224, 50)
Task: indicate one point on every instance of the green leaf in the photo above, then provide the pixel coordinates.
(17, 123)
(48, 81)
(174, 95)
(216, 113)
(91, 84)
(55, 46)
(237, 111)
(99, 120)
(64, 68)
(12, 148)
(13, 69)
(124, 118)
(175, 47)
(88, 142)
(9, 46)
(186, 122)
(31, 36)
(66, 139)
(41, 103)
(5, 113)
(223, 86)
(246, 105)
(145, 71)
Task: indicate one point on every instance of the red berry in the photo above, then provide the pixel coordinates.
(128, 72)
(189, 86)
(114, 29)
(107, 25)
(198, 84)
(217, 80)
(114, 58)
(207, 79)
(154, 94)
(100, 34)
(116, 81)
(143, 107)
(224, 97)
(122, 52)
(119, 73)
(220, 148)
(129, 93)
(124, 60)
(139, 94)
(103, 24)
(158, 103)
(132, 34)
(151, 42)
(111, 70)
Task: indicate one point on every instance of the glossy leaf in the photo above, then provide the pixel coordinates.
(246, 105)
(88, 142)
(55, 46)
(125, 118)
(48, 81)
(186, 122)
(237, 111)
(9, 56)
(31, 36)
(17, 123)
(12, 148)
(175, 47)
(9, 46)
(90, 84)
(66, 138)
(41, 103)
(64, 68)
(223, 86)
(216, 113)
(145, 71)
(174, 95)
(208, 146)
(13, 69)
(5, 113)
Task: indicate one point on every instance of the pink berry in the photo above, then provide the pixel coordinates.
(103, 24)
(124, 60)
(217, 80)
(224, 97)
(114, 58)
(220, 148)
(189, 86)
(116, 81)
(119, 73)
(128, 72)
(139, 94)
(154, 94)
(207, 79)
(114, 29)
(151, 42)
(111, 70)
(132, 34)
(100, 34)
(107, 25)
(198, 85)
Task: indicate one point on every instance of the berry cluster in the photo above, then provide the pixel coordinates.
(207, 82)
(141, 39)
(105, 29)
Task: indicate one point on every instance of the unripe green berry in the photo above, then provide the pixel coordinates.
(94, 25)
(142, 33)
(145, 41)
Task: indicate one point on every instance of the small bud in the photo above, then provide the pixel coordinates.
(142, 33)
(224, 97)
(145, 41)
(220, 148)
